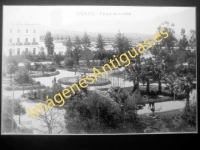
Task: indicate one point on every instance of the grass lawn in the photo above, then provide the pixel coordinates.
(169, 121)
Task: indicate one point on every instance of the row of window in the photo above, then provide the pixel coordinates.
(18, 51)
(18, 40)
(18, 31)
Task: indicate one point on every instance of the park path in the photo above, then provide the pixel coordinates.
(33, 123)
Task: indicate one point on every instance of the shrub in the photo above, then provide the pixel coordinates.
(35, 58)
(50, 67)
(94, 113)
(38, 82)
(189, 114)
(18, 107)
(69, 62)
(33, 67)
(37, 66)
(22, 76)
(7, 113)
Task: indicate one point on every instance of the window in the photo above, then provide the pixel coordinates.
(10, 40)
(10, 52)
(18, 51)
(33, 51)
(26, 40)
(26, 30)
(10, 30)
(26, 50)
(33, 40)
(18, 30)
(18, 40)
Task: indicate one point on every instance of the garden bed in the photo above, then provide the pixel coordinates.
(26, 87)
(71, 80)
(46, 74)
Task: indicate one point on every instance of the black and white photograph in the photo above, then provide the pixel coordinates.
(82, 70)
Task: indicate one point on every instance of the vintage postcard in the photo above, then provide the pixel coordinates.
(98, 70)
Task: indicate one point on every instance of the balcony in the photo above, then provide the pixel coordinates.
(26, 43)
(34, 43)
(18, 43)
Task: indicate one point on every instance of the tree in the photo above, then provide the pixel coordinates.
(57, 58)
(173, 83)
(187, 86)
(100, 42)
(183, 43)
(52, 121)
(85, 40)
(41, 54)
(86, 44)
(121, 43)
(133, 72)
(101, 52)
(95, 113)
(76, 53)
(22, 77)
(87, 56)
(27, 55)
(68, 43)
(48, 39)
(27, 64)
(11, 69)
(155, 50)
(146, 74)
(69, 62)
(171, 39)
(192, 40)
(159, 74)
(170, 63)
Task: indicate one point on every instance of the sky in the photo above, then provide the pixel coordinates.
(100, 18)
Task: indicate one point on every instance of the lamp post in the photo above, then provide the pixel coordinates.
(22, 65)
(12, 107)
(19, 110)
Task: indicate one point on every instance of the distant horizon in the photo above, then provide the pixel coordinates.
(102, 19)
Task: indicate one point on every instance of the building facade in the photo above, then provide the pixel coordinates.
(19, 38)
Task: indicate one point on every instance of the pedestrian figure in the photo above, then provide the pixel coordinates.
(151, 104)
(75, 71)
(35, 94)
(153, 110)
(54, 79)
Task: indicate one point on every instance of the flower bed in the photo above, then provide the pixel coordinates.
(71, 80)
(26, 87)
(45, 74)
(86, 70)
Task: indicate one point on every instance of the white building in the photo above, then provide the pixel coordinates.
(19, 37)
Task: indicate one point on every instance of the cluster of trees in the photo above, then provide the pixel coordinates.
(80, 48)
(94, 113)
(175, 67)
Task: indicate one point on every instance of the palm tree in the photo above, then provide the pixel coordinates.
(133, 74)
(159, 74)
(173, 82)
